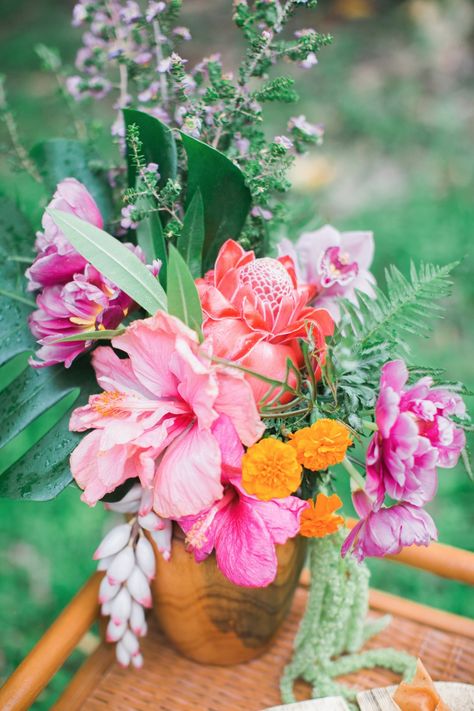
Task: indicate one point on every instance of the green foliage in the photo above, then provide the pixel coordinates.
(113, 259)
(60, 158)
(225, 196)
(183, 297)
(191, 240)
(155, 144)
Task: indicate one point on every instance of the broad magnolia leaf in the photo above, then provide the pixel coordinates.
(60, 158)
(225, 196)
(158, 146)
(113, 260)
(183, 297)
(191, 239)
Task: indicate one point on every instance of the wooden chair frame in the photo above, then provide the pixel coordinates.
(53, 649)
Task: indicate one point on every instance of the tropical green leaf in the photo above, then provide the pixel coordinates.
(16, 237)
(103, 335)
(151, 239)
(191, 239)
(158, 146)
(226, 197)
(113, 260)
(60, 158)
(183, 297)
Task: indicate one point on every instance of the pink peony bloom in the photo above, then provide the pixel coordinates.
(155, 419)
(256, 311)
(240, 528)
(415, 436)
(386, 531)
(57, 260)
(334, 263)
(87, 303)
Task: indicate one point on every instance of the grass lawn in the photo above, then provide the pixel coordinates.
(393, 93)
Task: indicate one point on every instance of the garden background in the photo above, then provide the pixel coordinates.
(394, 92)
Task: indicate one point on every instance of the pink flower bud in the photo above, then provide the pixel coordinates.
(151, 522)
(123, 657)
(137, 661)
(146, 502)
(130, 642)
(115, 632)
(105, 609)
(137, 620)
(121, 606)
(121, 566)
(138, 587)
(146, 557)
(162, 539)
(114, 541)
(107, 591)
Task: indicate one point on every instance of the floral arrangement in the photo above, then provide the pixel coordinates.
(242, 366)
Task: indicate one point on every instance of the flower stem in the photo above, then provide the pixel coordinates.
(353, 473)
(370, 425)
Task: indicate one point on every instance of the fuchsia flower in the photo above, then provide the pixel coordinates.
(386, 531)
(415, 436)
(255, 311)
(156, 418)
(240, 528)
(334, 263)
(57, 260)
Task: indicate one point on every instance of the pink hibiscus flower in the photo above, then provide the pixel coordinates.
(334, 263)
(415, 436)
(155, 419)
(255, 311)
(240, 528)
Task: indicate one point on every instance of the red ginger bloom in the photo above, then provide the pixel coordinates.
(256, 311)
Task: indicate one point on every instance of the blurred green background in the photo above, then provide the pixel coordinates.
(394, 92)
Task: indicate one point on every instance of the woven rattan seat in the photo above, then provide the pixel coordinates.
(169, 682)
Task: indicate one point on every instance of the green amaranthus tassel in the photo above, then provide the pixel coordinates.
(335, 626)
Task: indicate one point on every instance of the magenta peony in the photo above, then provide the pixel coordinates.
(415, 435)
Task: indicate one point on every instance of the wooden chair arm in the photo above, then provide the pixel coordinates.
(44, 660)
(438, 558)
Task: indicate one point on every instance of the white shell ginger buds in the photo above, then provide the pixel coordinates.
(128, 560)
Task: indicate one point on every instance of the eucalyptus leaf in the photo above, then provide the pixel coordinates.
(159, 146)
(191, 239)
(113, 260)
(60, 158)
(183, 297)
(226, 198)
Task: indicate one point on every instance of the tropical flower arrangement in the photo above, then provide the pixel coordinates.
(240, 366)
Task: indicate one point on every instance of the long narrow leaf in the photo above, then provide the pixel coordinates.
(183, 297)
(113, 260)
(151, 239)
(191, 239)
(104, 335)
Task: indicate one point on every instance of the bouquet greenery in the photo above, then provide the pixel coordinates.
(239, 366)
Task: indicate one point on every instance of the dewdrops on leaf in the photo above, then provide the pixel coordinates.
(322, 445)
(320, 519)
(270, 469)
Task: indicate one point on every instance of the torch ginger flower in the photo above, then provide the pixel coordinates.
(156, 418)
(255, 310)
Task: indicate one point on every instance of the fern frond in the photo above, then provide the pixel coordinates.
(406, 308)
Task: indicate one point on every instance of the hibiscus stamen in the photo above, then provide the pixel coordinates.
(109, 403)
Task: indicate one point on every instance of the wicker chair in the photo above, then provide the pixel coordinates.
(169, 682)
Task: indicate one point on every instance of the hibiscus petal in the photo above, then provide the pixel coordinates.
(236, 400)
(188, 476)
(245, 551)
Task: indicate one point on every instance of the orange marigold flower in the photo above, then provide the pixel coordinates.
(270, 469)
(322, 445)
(319, 519)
